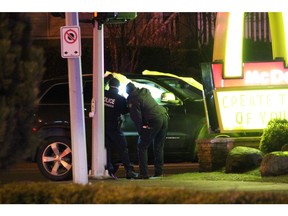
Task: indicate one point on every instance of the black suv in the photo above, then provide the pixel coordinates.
(185, 107)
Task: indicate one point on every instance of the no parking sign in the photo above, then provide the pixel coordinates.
(70, 41)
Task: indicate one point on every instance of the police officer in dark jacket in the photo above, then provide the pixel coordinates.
(115, 105)
(151, 121)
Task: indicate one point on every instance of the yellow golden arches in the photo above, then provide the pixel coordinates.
(228, 40)
(234, 45)
(278, 27)
(220, 36)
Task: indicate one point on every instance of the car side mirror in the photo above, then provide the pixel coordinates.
(169, 97)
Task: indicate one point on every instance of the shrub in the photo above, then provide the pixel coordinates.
(100, 193)
(274, 136)
(20, 73)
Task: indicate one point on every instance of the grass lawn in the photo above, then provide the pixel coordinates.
(208, 181)
(186, 188)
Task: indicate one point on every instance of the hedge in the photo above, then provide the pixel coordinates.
(101, 193)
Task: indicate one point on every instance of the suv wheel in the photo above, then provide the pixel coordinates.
(54, 159)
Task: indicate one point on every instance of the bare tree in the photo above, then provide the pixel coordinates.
(124, 41)
(200, 31)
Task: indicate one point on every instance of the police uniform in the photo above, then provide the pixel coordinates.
(115, 105)
(151, 121)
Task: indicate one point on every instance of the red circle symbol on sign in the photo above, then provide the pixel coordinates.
(70, 36)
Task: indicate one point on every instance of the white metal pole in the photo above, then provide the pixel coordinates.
(98, 147)
(78, 140)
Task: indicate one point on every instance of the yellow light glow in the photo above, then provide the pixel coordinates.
(234, 42)
(188, 80)
(276, 22)
(250, 109)
(285, 25)
(220, 36)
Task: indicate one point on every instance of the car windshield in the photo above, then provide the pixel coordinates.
(179, 85)
(182, 87)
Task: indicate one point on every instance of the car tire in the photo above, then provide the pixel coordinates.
(54, 159)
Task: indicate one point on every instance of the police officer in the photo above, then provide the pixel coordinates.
(151, 121)
(115, 105)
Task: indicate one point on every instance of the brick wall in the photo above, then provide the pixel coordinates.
(212, 153)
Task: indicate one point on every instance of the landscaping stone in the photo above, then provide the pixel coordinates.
(241, 159)
(274, 164)
(212, 152)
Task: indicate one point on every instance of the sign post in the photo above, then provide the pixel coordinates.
(71, 49)
(98, 133)
(97, 104)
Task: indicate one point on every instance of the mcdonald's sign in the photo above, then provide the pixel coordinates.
(244, 96)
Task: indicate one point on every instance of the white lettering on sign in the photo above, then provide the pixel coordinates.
(247, 109)
(254, 74)
(266, 77)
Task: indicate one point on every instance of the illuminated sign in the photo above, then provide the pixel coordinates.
(229, 38)
(253, 74)
(250, 109)
(248, 103)
(245, 96)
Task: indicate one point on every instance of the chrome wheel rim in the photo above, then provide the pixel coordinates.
(57, 158)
